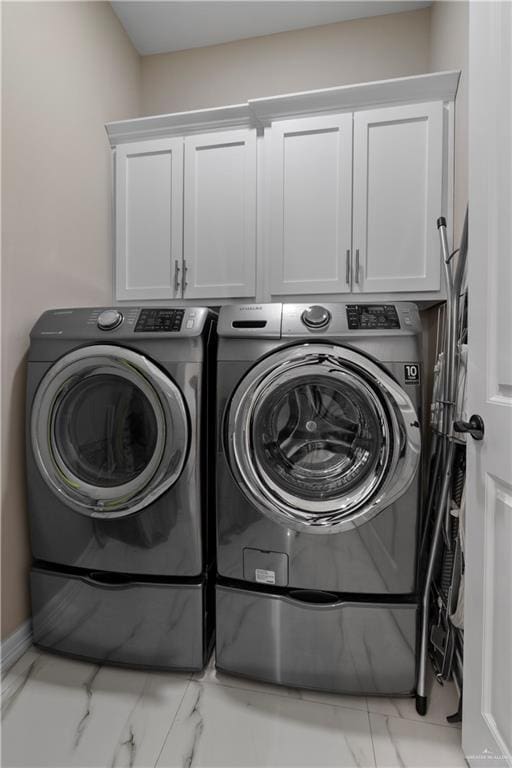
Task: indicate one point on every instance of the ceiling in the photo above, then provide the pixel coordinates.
(175, 25)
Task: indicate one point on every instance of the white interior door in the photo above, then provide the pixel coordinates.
(398, 181)
(149, 219)
(220, 215)
(487, 718)
(310, 205)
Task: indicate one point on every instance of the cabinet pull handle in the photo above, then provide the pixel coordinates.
(176, 276)
(357, 265)
(347, 266)
(185, 270)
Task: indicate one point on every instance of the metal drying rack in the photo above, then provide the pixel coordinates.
(442, 640)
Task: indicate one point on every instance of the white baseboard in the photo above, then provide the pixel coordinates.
(15, 645)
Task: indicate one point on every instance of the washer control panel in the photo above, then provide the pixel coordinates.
(329, 320)
(155, 320)
(109, 319)
(316, 316)
(372, 316)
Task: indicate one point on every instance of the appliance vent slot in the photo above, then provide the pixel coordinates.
(249, 323)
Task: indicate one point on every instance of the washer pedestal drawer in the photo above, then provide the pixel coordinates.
(317, 640)
(114, 620)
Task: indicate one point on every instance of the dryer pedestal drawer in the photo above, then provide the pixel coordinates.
(315, 640)
(108, 619)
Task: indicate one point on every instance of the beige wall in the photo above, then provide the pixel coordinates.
(320, 57)
(67, 69)
(449, 40)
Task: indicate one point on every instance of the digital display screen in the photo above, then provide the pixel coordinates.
(159, 320)
(372, 316)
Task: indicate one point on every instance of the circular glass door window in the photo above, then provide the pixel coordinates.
(317, 438)
(320, 438)
(105, 430)
(110, 431)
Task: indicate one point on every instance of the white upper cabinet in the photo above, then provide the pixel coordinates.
(220, 215)
(310, 205)
(327, 193)
(149, 219)
(398, 186)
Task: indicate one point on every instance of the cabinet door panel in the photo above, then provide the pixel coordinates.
(220, 214)
(398, 160)
(310, 216)
(149, 218)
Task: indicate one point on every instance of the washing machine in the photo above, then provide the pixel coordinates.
(119, 422)
(318, 495)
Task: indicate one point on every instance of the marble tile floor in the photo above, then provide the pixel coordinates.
(62, 712)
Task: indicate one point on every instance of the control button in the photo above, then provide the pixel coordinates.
(190, 323)
(109, 319)
(316, 316)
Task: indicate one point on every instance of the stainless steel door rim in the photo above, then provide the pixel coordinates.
(166, 409)
(365, 459)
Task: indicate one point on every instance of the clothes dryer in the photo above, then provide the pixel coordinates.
(120, 489)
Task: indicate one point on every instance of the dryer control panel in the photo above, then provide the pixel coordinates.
(121, 323)
(160, 320)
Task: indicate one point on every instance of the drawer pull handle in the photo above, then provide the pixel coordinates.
(109, 579)
(314, 597)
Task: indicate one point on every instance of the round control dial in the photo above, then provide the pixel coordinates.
(316, 316)
(109, 319)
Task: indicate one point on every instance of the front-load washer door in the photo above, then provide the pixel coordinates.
(109, 431)
(320, 438)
